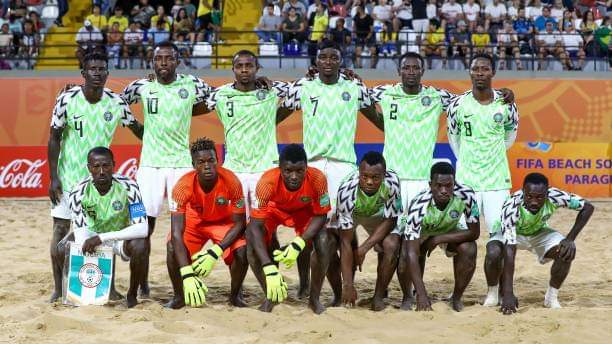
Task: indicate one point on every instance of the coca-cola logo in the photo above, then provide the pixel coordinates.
(22, 173)
(129, 168)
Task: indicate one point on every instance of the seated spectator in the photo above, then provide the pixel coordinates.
(97, 19)
(432, 9)
(569, 18)
(132, 43)
(451, 12)
(35, 18)
(119, 18)
(524, 30)
(156, 35)
(420, 18)
(481, 41)
(367, 7)
(15, 26)
(30, 40)
(514, 8)
(363, 27)
(299, 7)
(342, 36)
(534, 9)
(460, 42)
(89, 39)
(312, 9)
(545, 18)
(190, 8)
(142, 13)
(320, 22)
(587, 28)
(556, 11)
(435, 44)
(269, 26)
(206, 25)
(161, 15)
(6, 40)
(293, 27)
(18, 9)
(178, 4)
(402, 12)
(183, 25)
(184, 48)
(114, 41)
(495, 14)
(549, 42)
(508, 44)
(574, 48)
(383, 16)
(602, 38)
(471, 11)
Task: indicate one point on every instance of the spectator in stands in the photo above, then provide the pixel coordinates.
(549, 42)
(156, 35)
(15, 26)
(312, 9)
(402, 12)
(190, 8)
(205, 19)
(460, 42)
(133, 43)
(62, 7)
(508, 44)
(6, 40)
(534, 9)
(269, 26)
(367, 7)
(161, 15)
(320, 22)
(481, 41)
(299, 7)
(363, 27)
(602, 38)
(495, 14)
(293, 27)
(119, 18)
(587, 5)
(184, 48)
(435, 45)
(142, 13)
(574, 48)
(432, 10)
(471, 12)
(178, 4)
(114, 41)
(342, 36)
(420, 19)
(545, 18)
(183, 25)
(39, 25)
(89, 39)
(556, 11)
(97, 19)
(19, 9)
(524, 30)
(30, 40)
(383, 16)
(513, 9)
(451, 12)
(569, 17)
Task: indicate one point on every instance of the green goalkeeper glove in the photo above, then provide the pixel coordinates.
(193, 288)
(205, 260)
(289, 255)
(276, 288)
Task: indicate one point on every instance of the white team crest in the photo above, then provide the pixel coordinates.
(346, 96)
(183, 93)
(498, 117)
(117, 205)
(426, 101)
(90, 275)
(454, 214)
(261, 95)
(108, 116)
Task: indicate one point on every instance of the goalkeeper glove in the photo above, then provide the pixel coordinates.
(204, 261)
(193, 288)
(276, 288)
(289, 255)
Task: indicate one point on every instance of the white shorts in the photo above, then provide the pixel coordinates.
(62, 210)
(420, 25)
(490, 205)
(335, 172)
(249, 185)
(410, 188)
(538, 244)
(154, 183)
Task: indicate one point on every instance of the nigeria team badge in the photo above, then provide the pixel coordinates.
(221, 200)
(426, 101)
(183, 93)
(108, 116)
(261, 95)
(346, 96)
(498, 117)
(454, 214)
(90, 275)
(117, 205)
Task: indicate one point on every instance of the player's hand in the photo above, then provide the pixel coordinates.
(205, 260)
(55, 191)
(507, 95)
(276, 288)
(89, 246)
(423, 303)
(509, 304)
(311, 72)
(289, 255)
(358, 257)
(430, 245)
(193, 288)
(567, 250)
(350, 74)
(349, 295)
(263, 82)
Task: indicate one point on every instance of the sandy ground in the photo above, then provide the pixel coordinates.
(26, 282)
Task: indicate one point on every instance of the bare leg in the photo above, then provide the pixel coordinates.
(178, 300)
(137, 251)
(238, 271)
(464, 264)
(320, 263)
(257, 269)
(493, 268)
(114, 294)
(335, 279)
(385, 271)
(60, 229)
(403, 276)
(303, 263)
(144, 284)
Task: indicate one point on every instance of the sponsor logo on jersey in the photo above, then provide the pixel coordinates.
(108, 116)
(498, 117)
(183, 93)
(90, 275)
(261, 95)
(137, 210)
(426, 101)
(454, 214)
(305, 199)
(324, 201)
(117, 205)
(346, 96)
(221, 200)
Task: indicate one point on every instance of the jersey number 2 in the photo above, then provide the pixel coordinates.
(393, 113)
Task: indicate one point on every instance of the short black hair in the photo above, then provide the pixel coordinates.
(293, 153)
(167, 44)
(483, 56)
(536, 179)
(245, 52)
(202, 144)
(441, 167)
(100, 150)
(328, 43)
(374, 158)
(411, 54)
(94, 55)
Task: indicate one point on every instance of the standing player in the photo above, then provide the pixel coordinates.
(524, 226)
(480, 130)
(168, 103)
(84, 117)
(107, 210)
(370, 197)
(433, 219)
(209, 205)
(293, 195)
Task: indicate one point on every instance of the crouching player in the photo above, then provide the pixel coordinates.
(107, 210)
(433, 219)
(293, 195)
(209, 206)
(524, 226)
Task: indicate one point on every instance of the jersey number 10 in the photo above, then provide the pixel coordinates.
(152, 105)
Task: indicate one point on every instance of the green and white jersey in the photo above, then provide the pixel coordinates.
(329, 115)
(385, 203)
(411, 127)
(518, 220)
(249, 125)
(119, 208)
(479, 135)
(85, 126)
(167, 118)
(423, 218)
